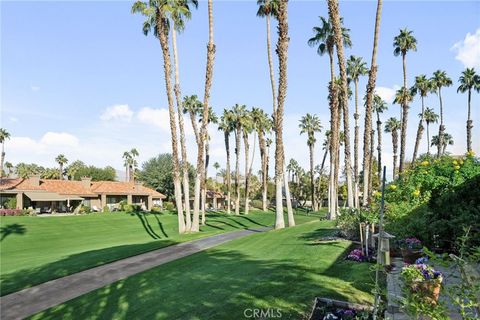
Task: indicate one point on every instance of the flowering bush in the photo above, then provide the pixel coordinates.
(357, 255)
(411, 243)
(416, 273)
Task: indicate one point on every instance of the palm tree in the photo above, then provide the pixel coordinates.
(212, 118)
(9, 167)
(379, 106)
(216, 166)
(156, 20)
(338, 31)
(61, 160)
(447, 140)
(392, 126)
(203, 134)
(238, 112)
(403, 97)
(403, 43)
(423, 86)
(193, 107)
(133, 163)
(263, 125)
(310, 124)
(430, 117)
(469, 80)
(179, 12)
(439, 80)
(282, 52)
(227, 125)
(4, 135)
(324, 38)
(126, 163)
(267, 9)
(356, 67)
(247, 128)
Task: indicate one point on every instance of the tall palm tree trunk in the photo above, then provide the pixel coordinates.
(204, 180)
(263, 160)
(441, 128)
(282, 52)
(355, 147)
(178, 96)
(312, 178)
(428, 138)
(395, 152)
(270, 65)
(419, 134)
(229, 182)
(237, 169)
(2, 160)
(337, 30)
(372, 78)
(288, 198)
(379, 147)
(60, 169)
(370, 178)
(469, 124)
(203, 129)
(246, 145)
(163, 38)
(334, 145)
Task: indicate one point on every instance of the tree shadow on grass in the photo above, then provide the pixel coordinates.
(146, 225)
(25, 278)
(160, 225)
(13, 228)
(216, 284)
(254, 222)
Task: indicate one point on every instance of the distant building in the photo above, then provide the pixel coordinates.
(62, 195)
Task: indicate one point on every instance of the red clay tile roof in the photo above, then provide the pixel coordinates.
(9, 183)
(68, 187)
(115, 187)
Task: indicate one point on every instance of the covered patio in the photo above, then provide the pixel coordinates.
(49, 202)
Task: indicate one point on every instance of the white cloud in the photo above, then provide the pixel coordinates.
(156, 117)
(59, 139)
(387, 94)
(468, 50)
(35, 88)
(117, 112)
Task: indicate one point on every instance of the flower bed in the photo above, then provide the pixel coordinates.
(10, 212)
(327, 309)
(358, 256)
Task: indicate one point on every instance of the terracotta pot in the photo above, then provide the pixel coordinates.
(409, 255)
(429, 290)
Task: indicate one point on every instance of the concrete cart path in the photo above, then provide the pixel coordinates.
(32, 300)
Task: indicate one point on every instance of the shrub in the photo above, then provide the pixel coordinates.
(349, 219)
(106, 209)
(169, 206)
(156, 210)
(435, 200)
(84, 210)
(122, 205)
(11, 203)
(257, 204)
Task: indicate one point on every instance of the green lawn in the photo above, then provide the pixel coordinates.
(282, 269)
(38, 249)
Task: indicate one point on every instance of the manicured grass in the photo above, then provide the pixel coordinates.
(38, 249)
(282, 269)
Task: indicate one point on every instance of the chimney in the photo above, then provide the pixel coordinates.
(86, 182)
(35, 180)
(138, 184)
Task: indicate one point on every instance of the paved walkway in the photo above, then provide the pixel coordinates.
(32, 300)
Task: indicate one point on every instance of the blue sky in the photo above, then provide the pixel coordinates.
(80, 78)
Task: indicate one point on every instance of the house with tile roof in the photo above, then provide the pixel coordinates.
(61, 195)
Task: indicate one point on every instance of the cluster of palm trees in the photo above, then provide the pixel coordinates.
(130, 163)
(168, 17)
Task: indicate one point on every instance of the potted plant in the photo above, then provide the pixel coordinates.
(422, 281)
(411, 249)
